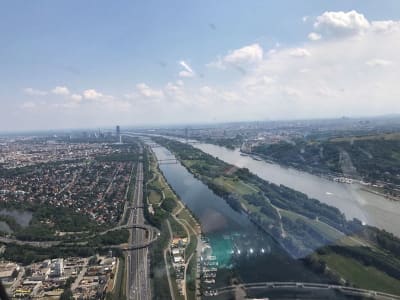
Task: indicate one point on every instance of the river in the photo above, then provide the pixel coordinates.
(348, 198)
(240, 247)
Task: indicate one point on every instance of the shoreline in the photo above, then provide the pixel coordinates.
(327, 176)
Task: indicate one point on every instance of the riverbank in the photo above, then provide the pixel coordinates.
(182, 227)
(203, 166)
(326, 175)
(377, 188)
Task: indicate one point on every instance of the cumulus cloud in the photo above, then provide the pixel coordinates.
(145, 91)
(246, 55)
(76, 97)
(313, 36)
(34, 92)
(299, 52)
(92, 94)
(352, 23)
(61, 90)
(341, 23)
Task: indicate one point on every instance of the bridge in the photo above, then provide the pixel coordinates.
(167, 161)
(307, 285)
(152, 232)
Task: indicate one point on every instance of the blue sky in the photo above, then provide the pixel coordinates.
(138, 58)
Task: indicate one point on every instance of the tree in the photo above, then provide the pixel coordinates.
(67, 295)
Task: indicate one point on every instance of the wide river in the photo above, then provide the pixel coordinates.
(236, 242)
(348, 198)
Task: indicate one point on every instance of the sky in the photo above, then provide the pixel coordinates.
(95, 63)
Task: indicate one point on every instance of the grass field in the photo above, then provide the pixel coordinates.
(386, 136)
(322, 228)
(154, 197)
(360, 275)
(235, 186)
(185, 215)
(120, 282)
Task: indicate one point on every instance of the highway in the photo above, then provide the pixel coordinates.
(137, 264)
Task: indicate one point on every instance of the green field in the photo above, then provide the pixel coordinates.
(324, 229)
(236, 186)
(154, 197)
(118, 292)
(360, 275)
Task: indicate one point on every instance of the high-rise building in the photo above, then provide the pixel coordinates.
(118, 130)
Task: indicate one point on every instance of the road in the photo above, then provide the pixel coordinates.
(138, 284)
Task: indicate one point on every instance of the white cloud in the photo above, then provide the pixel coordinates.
(246, 55)
(186, 66)
(92, 94)
(313, 36)
(34, 92)
(28, 105)
(299, 52)
(376, 62)
(61, 90)
(385, 26)
(341, 23)
(145, 91)
(185, 74)
(76, 97)
(187, 71)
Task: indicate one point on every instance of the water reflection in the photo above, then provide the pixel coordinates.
(242, 249)
(348, 198)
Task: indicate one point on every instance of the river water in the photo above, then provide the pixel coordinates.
(348, 198)
(240, 247)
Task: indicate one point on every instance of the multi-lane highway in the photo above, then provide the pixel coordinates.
(137, 265)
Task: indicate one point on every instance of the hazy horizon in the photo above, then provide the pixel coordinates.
(192, 125)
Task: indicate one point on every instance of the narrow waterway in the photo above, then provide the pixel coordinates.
(240, 247)
(348, 198)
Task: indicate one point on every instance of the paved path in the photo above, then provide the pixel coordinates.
(171, 289)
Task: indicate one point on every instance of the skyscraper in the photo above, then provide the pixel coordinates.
(118, 130)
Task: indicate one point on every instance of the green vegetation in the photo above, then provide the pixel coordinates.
(298, 223)
(165, 205)
(191, 279)
(372, 158)
(46, 221)
(118, 293)
(158, 275)
(114, 237)
(230, 143)
(27, 254)
(67, 294)
(359, 274)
